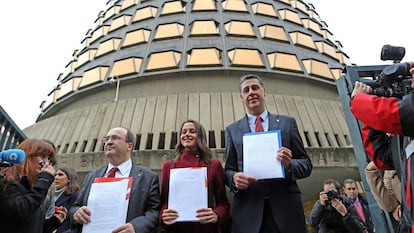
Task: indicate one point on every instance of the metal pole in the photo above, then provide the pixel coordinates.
(345, 87)
(117, 89)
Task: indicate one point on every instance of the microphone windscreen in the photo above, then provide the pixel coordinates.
(12, 156)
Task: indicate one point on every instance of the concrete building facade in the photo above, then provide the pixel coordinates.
(149, 65)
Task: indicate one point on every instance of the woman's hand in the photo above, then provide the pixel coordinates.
(60, 213)
(169, 216)
(207, 215)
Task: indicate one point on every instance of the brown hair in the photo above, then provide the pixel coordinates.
(35, 147)
(205, 152)
(73, 185)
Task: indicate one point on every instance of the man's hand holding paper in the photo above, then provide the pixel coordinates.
(259, 150)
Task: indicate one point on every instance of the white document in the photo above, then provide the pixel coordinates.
(259, 155)
(409, 150)
(188, 192)
(108, 201)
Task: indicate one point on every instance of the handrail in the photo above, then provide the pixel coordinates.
(10, 134)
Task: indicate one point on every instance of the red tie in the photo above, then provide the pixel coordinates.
(259, 127)
(112, 172)
(359, 210)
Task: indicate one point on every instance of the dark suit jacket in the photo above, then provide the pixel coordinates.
(144, 203)
(367, 213)
(285, 195)
(66, 200)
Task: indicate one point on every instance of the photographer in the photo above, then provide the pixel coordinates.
(335, 213)
(392, 115)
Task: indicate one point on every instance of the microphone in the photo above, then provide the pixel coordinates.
(12, 156)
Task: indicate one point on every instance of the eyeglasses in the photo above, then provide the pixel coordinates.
(113, 138)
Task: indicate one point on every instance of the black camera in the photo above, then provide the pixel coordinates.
(394, 80)
(332, 193)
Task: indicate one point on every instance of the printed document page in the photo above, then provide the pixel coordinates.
(108, 202)
(259, 155)
(188, 192)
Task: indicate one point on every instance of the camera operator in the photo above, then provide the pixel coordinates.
(334, 212)
(382, 115)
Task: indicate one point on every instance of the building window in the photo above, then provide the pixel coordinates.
(289, 15)
(326, 49)
(201, 28)
(273, 33)
(99, 32)
(136, 37)
(108, 46)
(126, 66)
(163, 60)
(120, 22)
(173, 7)
(69, 86)
(93, 76)
(287, 2)
(239, 28)
(204, 57)
(128, 3)
(302, 39)
(145, 13)
(245, 57)
(312, 25)
(318, 68)
(113, 10)
(204, 5)
(299, 5)
(264, 9)
(234, 5)
(284, 61)
(170, 30)
(86, 57)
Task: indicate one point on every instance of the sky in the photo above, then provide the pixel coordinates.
(38, 41)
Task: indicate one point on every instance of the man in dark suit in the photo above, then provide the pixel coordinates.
(144, 203)
(269, 205)
(360, 202)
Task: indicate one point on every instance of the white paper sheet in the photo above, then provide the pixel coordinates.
(108, 201)
(259, 155)
(188, 192)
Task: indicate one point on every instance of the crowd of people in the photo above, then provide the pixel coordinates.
(34, 197)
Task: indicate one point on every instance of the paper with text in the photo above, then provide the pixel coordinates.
(259, 155)
(188, 192)
(108, 201)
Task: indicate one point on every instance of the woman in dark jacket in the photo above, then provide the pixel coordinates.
(21, 201)
(66, 192)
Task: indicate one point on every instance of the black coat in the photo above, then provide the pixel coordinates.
(328, 220)
(21, 209)
(67, 201)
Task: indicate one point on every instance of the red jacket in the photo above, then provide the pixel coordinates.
(217, 198)
(381, 115)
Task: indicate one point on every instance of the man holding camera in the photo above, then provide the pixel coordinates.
(334, 212)
(382, 115)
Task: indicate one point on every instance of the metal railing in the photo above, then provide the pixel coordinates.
(382, 220)
(10, 134)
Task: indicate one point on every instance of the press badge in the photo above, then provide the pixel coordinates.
(409, 150)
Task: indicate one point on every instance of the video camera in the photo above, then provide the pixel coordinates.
(394, 80)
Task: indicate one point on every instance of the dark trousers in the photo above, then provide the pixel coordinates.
(268, 223)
